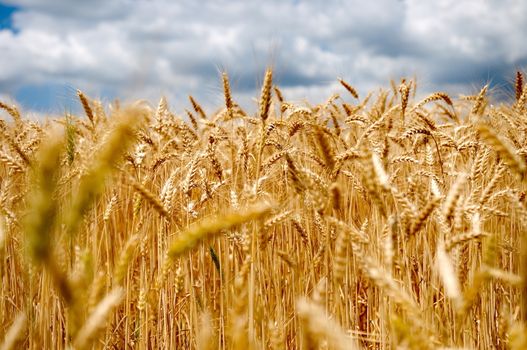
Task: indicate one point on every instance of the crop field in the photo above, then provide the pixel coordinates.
(384, 221)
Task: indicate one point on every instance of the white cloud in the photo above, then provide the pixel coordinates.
(478, 29)
(141, 48)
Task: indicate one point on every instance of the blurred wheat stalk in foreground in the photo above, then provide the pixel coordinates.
(383, 222)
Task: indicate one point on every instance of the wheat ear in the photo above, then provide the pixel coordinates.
(320, 331)
(97, 319)
(265, 96)
(14, 333)
(212, 226)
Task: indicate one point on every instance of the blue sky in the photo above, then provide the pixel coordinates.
(5, 16)
(147, 48)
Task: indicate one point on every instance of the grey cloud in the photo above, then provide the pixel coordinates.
(144, 48)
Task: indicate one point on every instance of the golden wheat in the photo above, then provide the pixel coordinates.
(374, 223)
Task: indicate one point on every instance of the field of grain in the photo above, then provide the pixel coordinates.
(364, 222)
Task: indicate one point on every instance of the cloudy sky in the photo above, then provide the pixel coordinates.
(148, 48)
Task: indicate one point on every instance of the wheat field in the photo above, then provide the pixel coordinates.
(364, 222)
